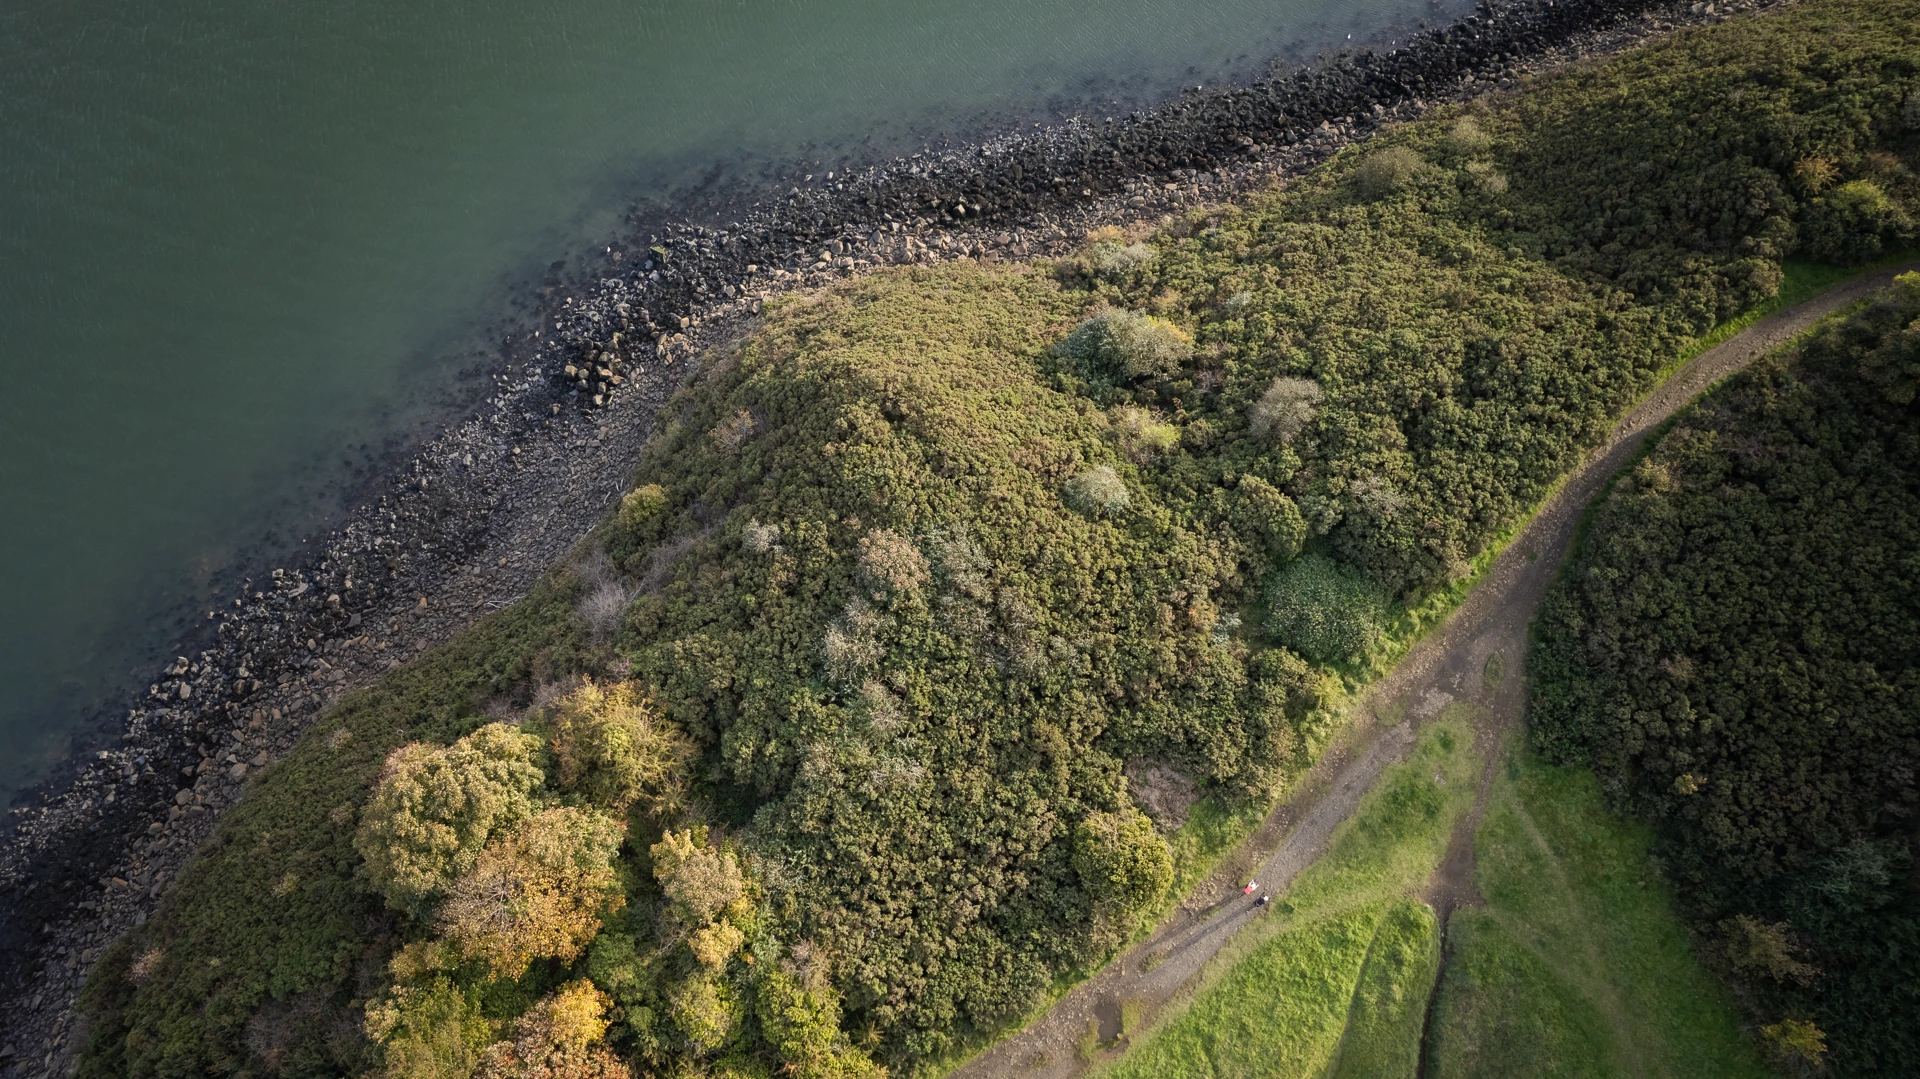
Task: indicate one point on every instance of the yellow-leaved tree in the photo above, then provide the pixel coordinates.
(537, 891)
(434, 808)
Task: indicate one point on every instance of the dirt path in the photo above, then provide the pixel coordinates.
(1450, 664)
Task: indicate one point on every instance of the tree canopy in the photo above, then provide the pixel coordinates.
(1737, 651)
(435, 807)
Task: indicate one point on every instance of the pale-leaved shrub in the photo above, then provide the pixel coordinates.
(1117, 345)
(1097, 492)
(1285, 409)
(889, 564)
(1142, 436)
(1109, 259)
(612, 749)
(1388, 170)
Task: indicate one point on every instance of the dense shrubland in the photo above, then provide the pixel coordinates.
(975, 612)
(925, 563)
(1737, 653)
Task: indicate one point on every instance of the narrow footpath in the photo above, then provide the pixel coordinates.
(1450, 664)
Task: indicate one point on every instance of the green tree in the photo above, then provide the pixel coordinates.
(1796, 1042)
(703, 1009)
(1765, 948)
(1271, 517)
(1855, 222)
(614, 751)
(431, 1031)
(800, 1016)
(1122, 862)
(641, 507)
(434, 808)
(1893, 365)
(699, 881)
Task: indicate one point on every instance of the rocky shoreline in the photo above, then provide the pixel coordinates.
(475, 517)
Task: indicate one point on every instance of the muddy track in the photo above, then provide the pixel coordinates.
(1451, 664)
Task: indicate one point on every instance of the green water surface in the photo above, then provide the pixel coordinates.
(245, 243)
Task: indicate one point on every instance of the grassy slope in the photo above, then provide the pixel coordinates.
(1382, 1039)
(1577, 965)
(1344, 947)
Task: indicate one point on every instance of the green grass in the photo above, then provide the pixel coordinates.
(1382, 1039)
(1392, 843)
(1344, 941)
(1577, 965)
(1279, 1012)
(1503, 1012)
(1133, 1014)
(1088, 1047)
